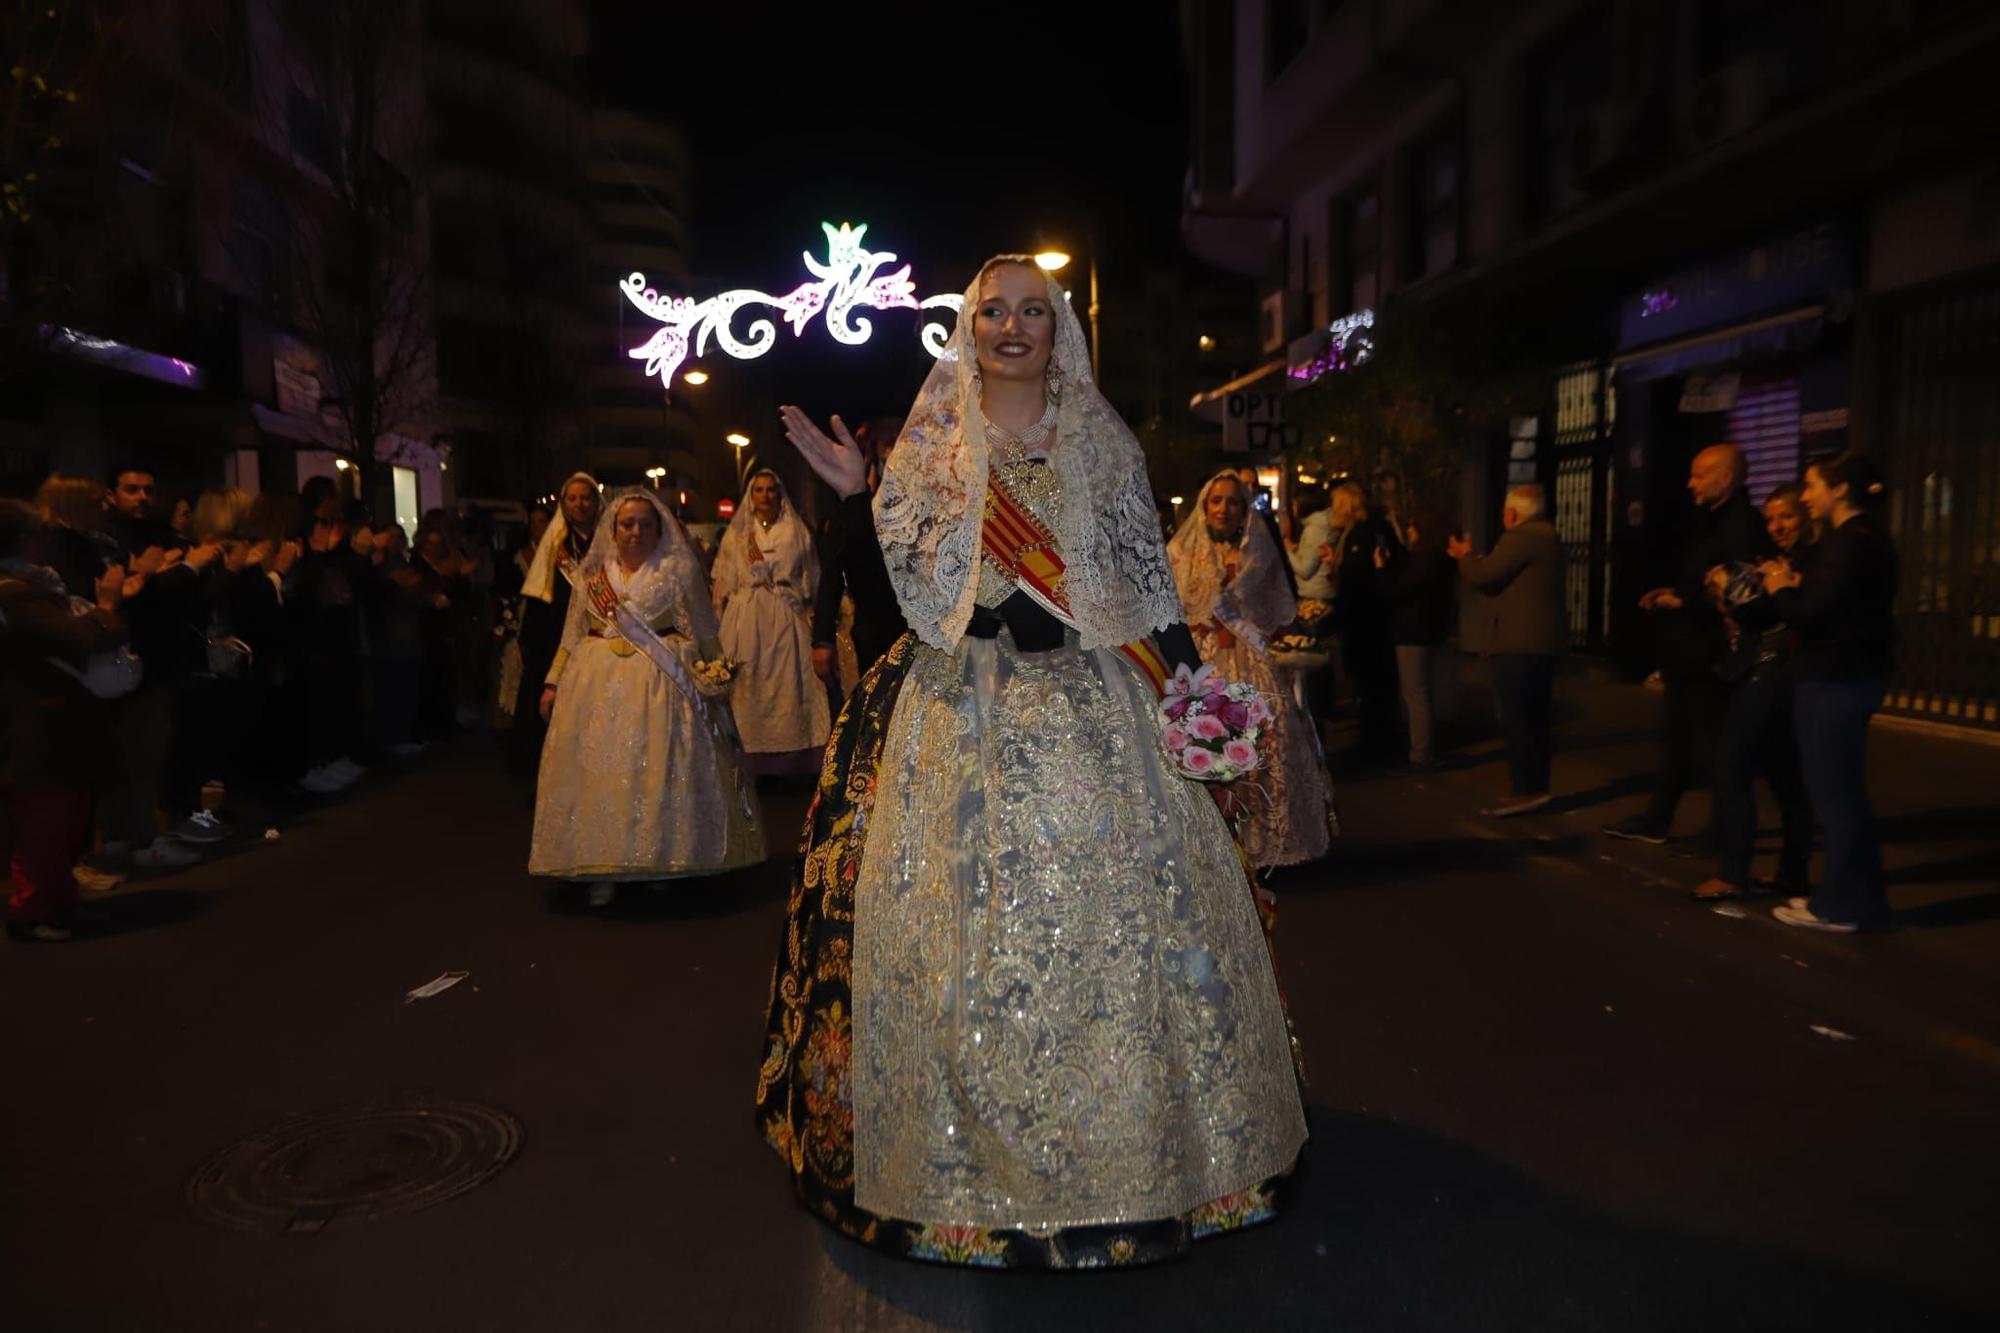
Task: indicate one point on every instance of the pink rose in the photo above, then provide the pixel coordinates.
(1175, 738)
(1260, 712)
(1208, 729)
(1240, 755)
(1198, 761)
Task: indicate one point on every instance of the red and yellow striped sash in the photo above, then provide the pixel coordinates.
(1016, 541)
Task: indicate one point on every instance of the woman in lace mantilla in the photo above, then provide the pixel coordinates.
(1025, 1013)
(1237, 599)
(641, 777)
(765, 575)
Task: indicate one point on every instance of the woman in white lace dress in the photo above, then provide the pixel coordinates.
(1237, 599)
(765, 575)
(1025, 1014)
(641, 776)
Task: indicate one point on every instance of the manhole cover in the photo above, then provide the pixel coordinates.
(354, 1164)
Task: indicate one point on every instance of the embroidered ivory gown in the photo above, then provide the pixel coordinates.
(780, 703)
(1237, 600)
(1025, 1013)
(638, 781)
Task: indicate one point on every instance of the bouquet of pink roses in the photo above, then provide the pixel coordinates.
(1210, 726)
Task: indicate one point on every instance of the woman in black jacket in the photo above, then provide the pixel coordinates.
(1758, 734)
(1842, 609)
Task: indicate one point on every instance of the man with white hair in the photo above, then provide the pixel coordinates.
(1523, 581)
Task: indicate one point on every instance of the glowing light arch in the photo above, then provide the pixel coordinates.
(848, 280)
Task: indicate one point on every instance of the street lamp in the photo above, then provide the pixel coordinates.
(654, 474)
(741, 442)
(1055, 261)
(697, 378)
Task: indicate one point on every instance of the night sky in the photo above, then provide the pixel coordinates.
(949, 147)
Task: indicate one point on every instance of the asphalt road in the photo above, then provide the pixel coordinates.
(1546, 1093)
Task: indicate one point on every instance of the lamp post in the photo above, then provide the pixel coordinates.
(741, 443)
(654, 474)
(1055, 261)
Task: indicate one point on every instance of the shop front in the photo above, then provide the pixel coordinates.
(1752, 347)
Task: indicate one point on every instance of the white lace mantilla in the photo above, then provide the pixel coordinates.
(932, 502)
(1255, 601)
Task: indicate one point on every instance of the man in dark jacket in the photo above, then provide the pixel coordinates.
(851, 564)
(1523, 578)
(168, 621)
(54, 733)
(1727, 530)
(545, 606)
(1362, 614)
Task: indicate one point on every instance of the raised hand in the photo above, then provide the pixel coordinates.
(111, 588)
(838, 461)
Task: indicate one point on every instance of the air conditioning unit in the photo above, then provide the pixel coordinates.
(1272, 325)
(1729, 101)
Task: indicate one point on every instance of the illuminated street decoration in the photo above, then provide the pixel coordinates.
(1658, 302)
(1350, 344)
(849, 279)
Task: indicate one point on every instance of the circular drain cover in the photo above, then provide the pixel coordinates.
(354, 1164)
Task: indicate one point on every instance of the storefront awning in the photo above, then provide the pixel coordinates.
(1789, 331)
(1209, 404)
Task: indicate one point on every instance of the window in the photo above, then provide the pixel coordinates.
(1434, 205)
(1358, 232)
(310, 130)
(254, 259)
(1312, 293)
(1286, 26)
(215, 49)
(1565, 80)
(408, 511)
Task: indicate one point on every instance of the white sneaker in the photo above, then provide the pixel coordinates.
(1803, 917)
(92, 880)
(202, 827)
(345, 771)
(165, 853)
(320, 783)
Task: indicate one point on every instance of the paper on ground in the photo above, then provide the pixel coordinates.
(438, 985)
